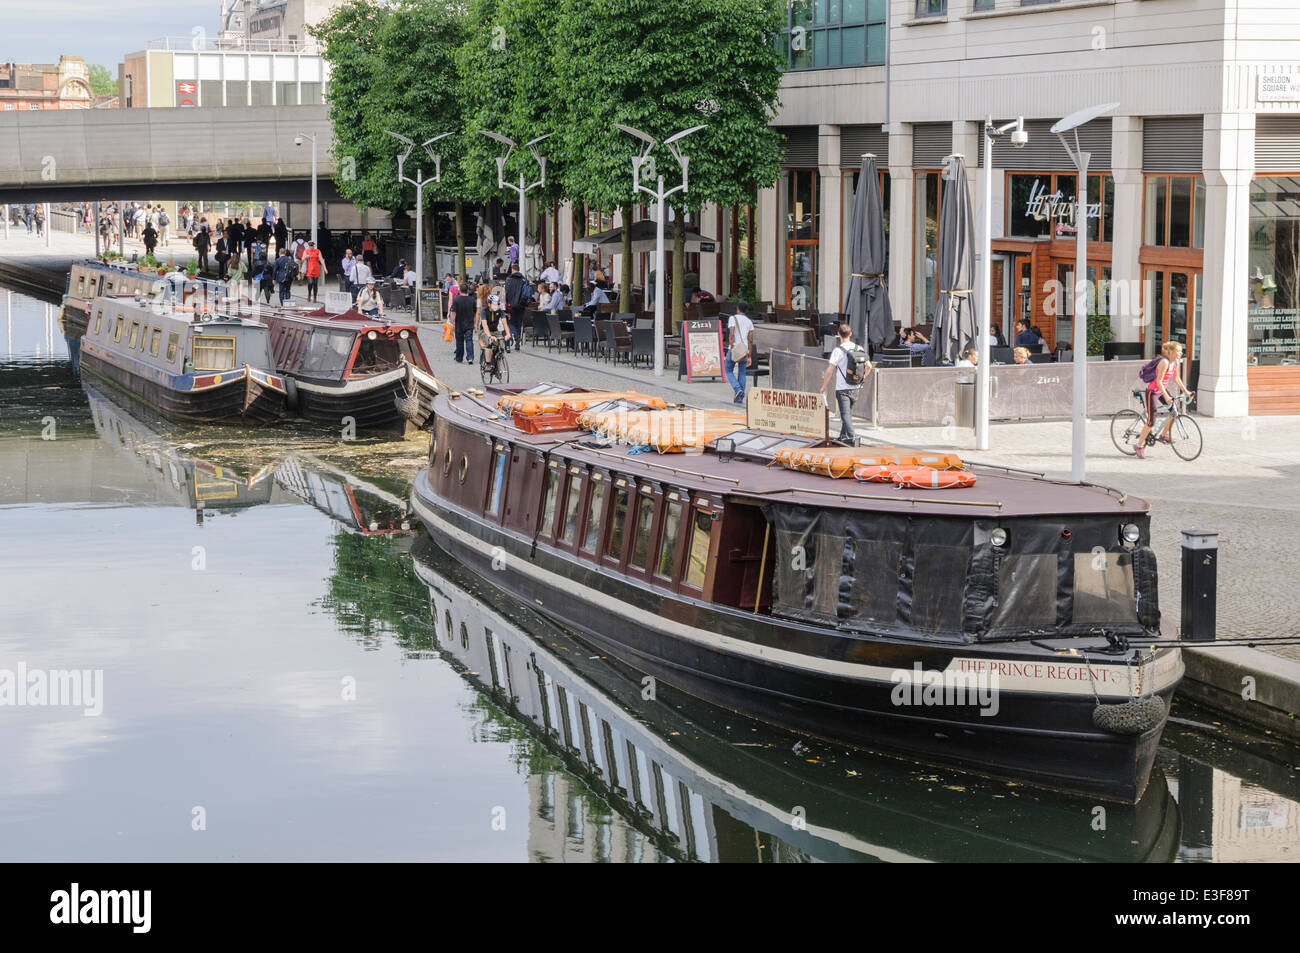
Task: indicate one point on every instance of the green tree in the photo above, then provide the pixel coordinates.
(663, 68)
(102, 81)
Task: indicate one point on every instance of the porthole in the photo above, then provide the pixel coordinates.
(446, 463)
(464, 468)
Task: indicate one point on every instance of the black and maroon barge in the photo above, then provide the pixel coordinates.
(992, 627)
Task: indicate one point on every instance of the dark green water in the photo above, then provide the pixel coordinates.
(288, 671)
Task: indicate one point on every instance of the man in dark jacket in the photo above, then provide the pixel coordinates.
(202, 242)
(281, 235)
(517, 303)
(284, 269)
(464, 310)
(150, 239)
(234, 237)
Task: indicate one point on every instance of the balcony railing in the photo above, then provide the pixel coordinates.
(203, 44)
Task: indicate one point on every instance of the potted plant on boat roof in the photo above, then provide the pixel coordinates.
(192, 268)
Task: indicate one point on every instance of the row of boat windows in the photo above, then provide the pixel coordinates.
(211, 352)
(88, 284)
(671, 806)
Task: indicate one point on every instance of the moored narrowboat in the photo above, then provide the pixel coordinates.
(90, 279)
(348, 366)
(211, 370)
(1008, 627)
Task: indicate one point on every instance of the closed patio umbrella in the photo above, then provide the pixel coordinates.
(866, 303)
(954, 321)
(643, 240)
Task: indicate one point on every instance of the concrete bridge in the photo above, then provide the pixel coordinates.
(176, 153)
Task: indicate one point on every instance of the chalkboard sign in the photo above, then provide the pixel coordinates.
(430, 305)
(702, 349)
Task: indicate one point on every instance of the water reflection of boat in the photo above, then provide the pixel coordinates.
(359, 505)
(189, 480)
(711, 785)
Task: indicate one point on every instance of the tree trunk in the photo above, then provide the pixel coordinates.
(460, 241)
(679, 266)
(625, 275)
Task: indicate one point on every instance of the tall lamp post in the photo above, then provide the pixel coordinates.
(659, 194)
(419, 182)
(298, 140)
(1079, 430)
(521, 188)
(1018, 138)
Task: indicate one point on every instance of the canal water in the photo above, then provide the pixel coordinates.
(275, 665)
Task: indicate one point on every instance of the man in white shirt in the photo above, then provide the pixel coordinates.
(550, 273)
(361, 274)
(845, 390)
(740, 339)
(969, 358)
(409, 278)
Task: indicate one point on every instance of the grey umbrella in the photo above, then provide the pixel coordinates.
(866, 303)
(954, 321)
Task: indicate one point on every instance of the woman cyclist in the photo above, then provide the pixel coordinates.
(486, 327)
(1171, 353)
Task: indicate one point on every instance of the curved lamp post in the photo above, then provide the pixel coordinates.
(419, 182)
(521, 189)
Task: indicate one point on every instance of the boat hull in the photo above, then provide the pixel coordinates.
(75, 317)
(240, 398)
(838, 687)
(373, 403)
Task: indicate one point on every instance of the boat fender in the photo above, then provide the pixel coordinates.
(408, 406)
(291, 393)
(1134, 717)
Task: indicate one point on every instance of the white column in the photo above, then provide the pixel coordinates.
(901, 190)
(830, 190)
(771, 241)
(1229, 162)
(1126, 216)
(565, 225)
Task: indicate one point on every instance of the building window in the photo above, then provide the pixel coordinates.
(1174, 211)
(985, 4)
(931, 8)
(1273, 308)
(1042, 205)
(827, 34)
(802, 222)
(926, 247)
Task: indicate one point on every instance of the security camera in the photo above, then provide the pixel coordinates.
(297, 140)
(1019, 137)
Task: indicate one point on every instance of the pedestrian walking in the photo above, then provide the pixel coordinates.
(850, 367)
(464, 315)
(202, 242)
(150, 239)
(517, 295)
(740, 331)
(348, 267)
(313, 267)
(164, 226)
(284, 269)
(222, 256)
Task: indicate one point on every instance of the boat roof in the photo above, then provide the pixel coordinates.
(167, 308)
(997, 492)
(350, 320)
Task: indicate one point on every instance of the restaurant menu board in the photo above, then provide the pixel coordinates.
(430, 305)
(336, 302)
(787, 411)
(702, 347)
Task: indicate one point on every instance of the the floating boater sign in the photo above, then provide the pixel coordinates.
(787, 411)
(336, 302)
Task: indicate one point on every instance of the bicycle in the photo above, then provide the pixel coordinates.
(497, 369)
(1184, 433)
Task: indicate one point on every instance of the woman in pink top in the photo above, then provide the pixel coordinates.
(1171, 352)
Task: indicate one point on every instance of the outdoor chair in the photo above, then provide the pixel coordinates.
(709, 309)
(894, 360)
(584, 333)
(643, 345)
(541, 326)
(1040, 358)
(1001, 355)
(558, 336)
(620, 340)
(627, 317)
(604, 338)
(728, 308)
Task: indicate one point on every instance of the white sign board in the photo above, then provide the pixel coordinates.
(787, 411)
(336, 302)
(1278, 87)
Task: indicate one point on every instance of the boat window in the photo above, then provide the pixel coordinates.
(135, 335)
(498, 481)
(1103, 588)
(117, 329)
(697, 558)
(668, 540)
(617, 521)
(645, 521)
(214, 353)
(108, 286)
(595, 509)
(1026, 591)
(155, 341)
(572, 507)
(81, 283)
(553, 475)
(173, 342)
(382, 354)
(936, 586)
(99, 316)
(328, 352)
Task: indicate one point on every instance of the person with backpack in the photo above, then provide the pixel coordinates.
(284, 270)
(164, 227)
(850, 367)
(1158, 373)
(740, 338)
(517, 295)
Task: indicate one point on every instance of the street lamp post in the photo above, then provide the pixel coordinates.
(1079, 429)
(521, 189)
(419, 182)
(985, 284)
(659, 194)
(298, 140)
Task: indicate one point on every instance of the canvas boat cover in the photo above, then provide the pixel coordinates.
(667, 431)
(838, 462)
(530, 405)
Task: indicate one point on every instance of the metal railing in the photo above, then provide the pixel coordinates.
(201, 44)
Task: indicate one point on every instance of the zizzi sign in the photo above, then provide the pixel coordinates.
(1044, 206)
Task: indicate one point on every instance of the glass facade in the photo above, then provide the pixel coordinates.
(802, 214)
(925, 247)
(1273, 308)
(1174, 211)
(826, 34)
(243, 79)
(1042, 205)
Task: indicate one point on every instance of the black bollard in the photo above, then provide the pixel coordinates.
(1200, 581)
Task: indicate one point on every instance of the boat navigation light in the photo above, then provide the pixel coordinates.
(372, 335)
(1130, 534)
(998, 537)
(404, 335)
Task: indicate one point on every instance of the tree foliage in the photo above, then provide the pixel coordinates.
(102, 81)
